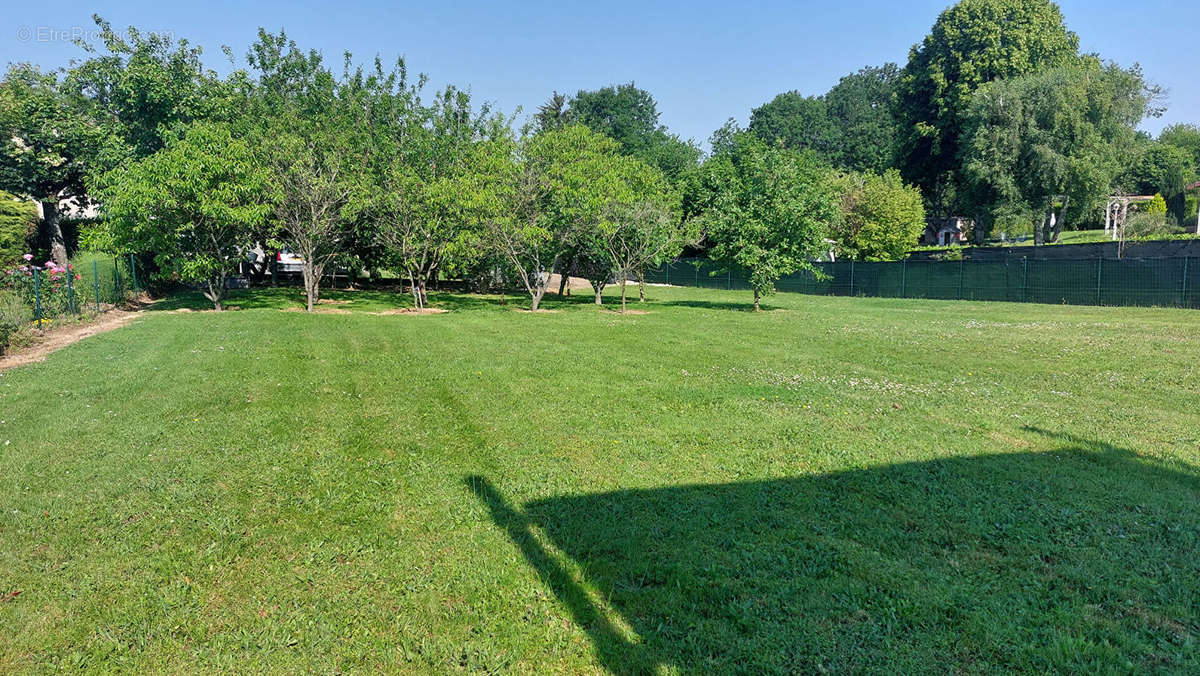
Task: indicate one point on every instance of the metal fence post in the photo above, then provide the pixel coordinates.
(960, 278)
(133, 274)
(668, 273)
(1187, 263)
(72, 306)
(851, 276)
(116, 281)
(1099, 280)
(37, 298)
(1025, 279)
(729, 279)
(96, 281)
(903, 277)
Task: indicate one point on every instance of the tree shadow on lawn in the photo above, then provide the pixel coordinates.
(745, 306)
(1080, 559)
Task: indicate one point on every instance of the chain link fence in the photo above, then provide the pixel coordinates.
(35, 295)
(1163, 282)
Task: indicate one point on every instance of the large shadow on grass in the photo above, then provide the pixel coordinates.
(1082, 559)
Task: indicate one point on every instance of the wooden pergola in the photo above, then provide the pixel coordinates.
(1117, 211)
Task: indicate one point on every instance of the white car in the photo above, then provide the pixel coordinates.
(286, 261)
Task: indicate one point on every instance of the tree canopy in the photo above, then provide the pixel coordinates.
(971, 43)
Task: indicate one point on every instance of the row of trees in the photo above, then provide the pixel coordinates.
(363, 168)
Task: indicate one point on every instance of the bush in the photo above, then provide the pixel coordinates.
(18, 227)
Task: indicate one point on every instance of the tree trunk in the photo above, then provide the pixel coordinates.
(623, 283)
(642, 287)
(216, 289)
(562, 282)
(756, 309)
(53, 230)
(599, 289)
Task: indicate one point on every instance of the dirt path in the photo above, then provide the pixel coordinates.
(61, 336)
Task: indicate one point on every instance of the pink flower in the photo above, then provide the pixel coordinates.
(50, 264)
(28, 257)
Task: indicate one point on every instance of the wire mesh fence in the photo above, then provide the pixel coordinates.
(38, 293)
(1164, 282)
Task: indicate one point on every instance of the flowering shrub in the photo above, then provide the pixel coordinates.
(52, 285)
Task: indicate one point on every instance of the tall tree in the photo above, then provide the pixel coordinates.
(49, 145)
(769, 213)
(797, 122)
(143, 87)
(1050, 144)
(972, 43)
(629, 115)
(193, 205)
(860, 108)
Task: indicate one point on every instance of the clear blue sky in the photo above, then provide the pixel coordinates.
(703, 61)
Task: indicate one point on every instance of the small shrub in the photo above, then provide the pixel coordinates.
(18, 227)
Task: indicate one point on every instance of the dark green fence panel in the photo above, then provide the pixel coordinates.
(1167, 282)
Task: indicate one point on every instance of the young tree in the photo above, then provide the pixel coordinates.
(560, 190)
(193, 205)
(769, 213)
(645, 233)
(316, 194)
(881, 217)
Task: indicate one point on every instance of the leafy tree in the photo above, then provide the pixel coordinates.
(317, 191)
(881, 217)
(794, 121)
(1185, 137)
(769, 212)
(194, 205)
(1157, 167)
(143, 88)
(972, 43)
(860, 109)
(1051, 143)
(559, 192)
(47, 147)
(622, 185)
(644, 234)
(629, 116)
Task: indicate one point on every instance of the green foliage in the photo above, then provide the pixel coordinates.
(49, 141)
(628, 115)
(851, 126)
(881, 217)
(768, 211)
(972, 43)
(18, 226)
(1157, 206)
(1063, 132)
(794, 121)
(194, 205)
(860, 107)
(141, 88)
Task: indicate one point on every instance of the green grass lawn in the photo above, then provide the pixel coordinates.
(851, 485)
